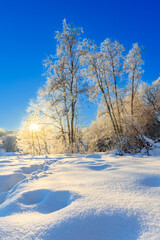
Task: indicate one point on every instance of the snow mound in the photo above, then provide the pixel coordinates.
(97, 227)
(93, 162)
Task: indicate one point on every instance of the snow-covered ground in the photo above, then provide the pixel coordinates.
(80, 197)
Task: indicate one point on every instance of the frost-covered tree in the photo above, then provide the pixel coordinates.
(57, 103)
(151, 99)
(133, 66)
(105, 68)
(65, 80)
(111, 79)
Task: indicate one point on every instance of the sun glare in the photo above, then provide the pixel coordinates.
(33, 127)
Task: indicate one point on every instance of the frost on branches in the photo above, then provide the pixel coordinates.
(81, 71)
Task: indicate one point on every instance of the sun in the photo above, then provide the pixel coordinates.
(33, 127)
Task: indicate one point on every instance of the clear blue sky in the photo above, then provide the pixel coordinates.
(27, 36)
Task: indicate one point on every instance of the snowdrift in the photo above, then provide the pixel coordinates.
(75, 197)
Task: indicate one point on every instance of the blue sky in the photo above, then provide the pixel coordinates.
(27, 37)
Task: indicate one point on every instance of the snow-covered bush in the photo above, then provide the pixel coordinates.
(9, 143)
(99, 137)
(152, 107)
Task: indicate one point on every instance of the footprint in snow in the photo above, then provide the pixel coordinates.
(151, 181)
(46, 201)
(94, 156)
(42, 200)
(98, 167)
(32, 168)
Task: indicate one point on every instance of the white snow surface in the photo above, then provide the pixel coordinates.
(80, 197)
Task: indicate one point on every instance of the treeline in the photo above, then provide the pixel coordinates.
(81, 71)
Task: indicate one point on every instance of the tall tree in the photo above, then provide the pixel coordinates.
(65, 77)
(105, 67)
(133, 66)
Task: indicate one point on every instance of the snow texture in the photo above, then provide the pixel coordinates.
(75, 197)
